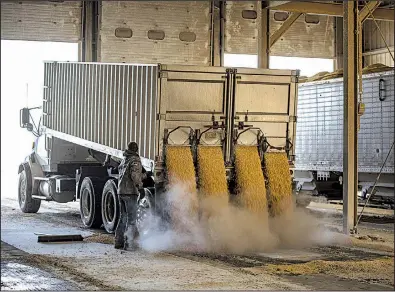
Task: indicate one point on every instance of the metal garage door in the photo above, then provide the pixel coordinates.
(41, 20)
(155, 32)
(243, 19)
(310, 35)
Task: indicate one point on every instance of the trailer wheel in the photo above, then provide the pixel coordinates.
(26, 202)
(90, 202)
(110, 206)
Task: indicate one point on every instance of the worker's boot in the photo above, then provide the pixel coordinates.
(119, 240)
(131, 241)
(119, 244)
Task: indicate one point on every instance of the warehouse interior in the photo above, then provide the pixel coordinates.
(335, 163)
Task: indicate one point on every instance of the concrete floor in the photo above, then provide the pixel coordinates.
(361, 264)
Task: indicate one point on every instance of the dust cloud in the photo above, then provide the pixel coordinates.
(226, 228)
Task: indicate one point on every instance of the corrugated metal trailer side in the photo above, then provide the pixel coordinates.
(105, 104)
(319, 142)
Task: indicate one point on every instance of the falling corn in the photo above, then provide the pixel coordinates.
(249, 178)
(211, 171)
(181, 172)
(279, 183)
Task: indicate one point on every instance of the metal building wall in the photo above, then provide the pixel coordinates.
(383, 58)
(170, 17)
(41, 21)
(374, 47)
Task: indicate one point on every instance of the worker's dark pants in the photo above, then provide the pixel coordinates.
(127, 221)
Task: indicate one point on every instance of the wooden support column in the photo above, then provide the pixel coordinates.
(350, 157)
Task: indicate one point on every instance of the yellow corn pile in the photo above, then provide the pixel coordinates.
(181, 173)
(249, 179)
(279, 183)
(211, 171)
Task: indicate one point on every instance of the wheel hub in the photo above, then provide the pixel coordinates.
(22, 190)
(86, 206)
(109, 209)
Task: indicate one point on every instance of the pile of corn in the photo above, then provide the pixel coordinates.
(212, 173)
(279, 183)
(249, 179)
(181, 172)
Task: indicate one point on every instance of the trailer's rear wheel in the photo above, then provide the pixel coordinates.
(110, 206)
(90, 202)
(26, 202)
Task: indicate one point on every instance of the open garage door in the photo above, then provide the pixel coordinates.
(55, 21)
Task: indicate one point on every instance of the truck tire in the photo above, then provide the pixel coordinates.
(26, 202)
(90, 202)
(110, 206)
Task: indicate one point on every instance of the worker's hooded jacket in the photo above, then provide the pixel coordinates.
(130, 174)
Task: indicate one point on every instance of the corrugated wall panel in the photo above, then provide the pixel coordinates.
(41, 21)
(372, 37)
(305, 39)
(171, 17)
(383, 58)
(374, 41)
(103, 103)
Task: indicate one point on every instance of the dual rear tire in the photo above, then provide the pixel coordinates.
(99, 204)
(90, 202)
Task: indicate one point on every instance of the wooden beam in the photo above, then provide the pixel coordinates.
(329, 9)
(370, 6)
(284, 27)
(273, 3)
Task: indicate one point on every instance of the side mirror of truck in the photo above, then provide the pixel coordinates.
(24, 117)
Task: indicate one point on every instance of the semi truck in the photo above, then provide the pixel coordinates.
(91, 111)
(319, 142)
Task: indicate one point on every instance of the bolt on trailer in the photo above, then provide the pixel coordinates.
(92, 110)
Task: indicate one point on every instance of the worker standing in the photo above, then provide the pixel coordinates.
(130, 182)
